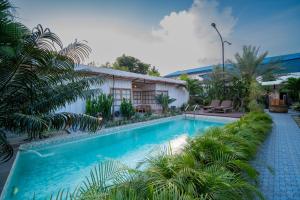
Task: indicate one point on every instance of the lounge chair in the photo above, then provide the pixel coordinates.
(213, 104)
(224, 107)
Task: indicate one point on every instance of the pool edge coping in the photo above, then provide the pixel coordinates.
(112, 130)
(8, 179)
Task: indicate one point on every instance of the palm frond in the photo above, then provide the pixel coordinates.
(98, 184)
(44, 38)
(6, 150)
(65, 120)
(76, 51)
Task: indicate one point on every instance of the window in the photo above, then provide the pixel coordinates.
(146, 97)
(158, 92)
(137, 97)
(119, 94)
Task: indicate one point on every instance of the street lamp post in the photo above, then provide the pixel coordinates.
(223, 42)
(223, 60)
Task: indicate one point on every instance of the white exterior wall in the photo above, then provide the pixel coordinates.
(76, 107)
(79, 105)
(179, 93)
(117, 83)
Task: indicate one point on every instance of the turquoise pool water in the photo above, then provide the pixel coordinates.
(52, 167)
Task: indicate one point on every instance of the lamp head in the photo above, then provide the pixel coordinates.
(213, 25)
(229, 43)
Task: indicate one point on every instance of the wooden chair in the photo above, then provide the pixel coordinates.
(213, 104)
(225, 106)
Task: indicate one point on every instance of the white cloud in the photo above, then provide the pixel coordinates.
(182, 39)
(188, 38)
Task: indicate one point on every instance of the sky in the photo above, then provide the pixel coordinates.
(169, 34)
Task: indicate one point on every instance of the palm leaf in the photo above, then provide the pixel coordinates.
(6, 150)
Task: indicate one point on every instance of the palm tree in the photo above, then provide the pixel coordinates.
(164, 101)
(193, 86)
(248, 67)
(292, 86)
(37, 77)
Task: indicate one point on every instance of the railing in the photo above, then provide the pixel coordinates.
(185, 109)
(194, 110)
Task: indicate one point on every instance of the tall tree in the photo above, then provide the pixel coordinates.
(153, 72)
(37, 77)
(131, 64)
(248, 66)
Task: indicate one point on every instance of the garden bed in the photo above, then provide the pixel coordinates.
(139, 118)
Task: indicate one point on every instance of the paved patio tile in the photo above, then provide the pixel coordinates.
(281, 152)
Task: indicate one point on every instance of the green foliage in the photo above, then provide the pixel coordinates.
(193, 86)
(255, 90)
(248, 65)
(268, 77)
(236, 82)
(254, 106)
(296, 106)
(292, 87)
(214, 85)
(90, 108)
(153, 72)
(37, 77)
(105, 103)
(100, 106)
(164, 101)
(127, 109)
(131, 64)
(211, 166)
(140, 118)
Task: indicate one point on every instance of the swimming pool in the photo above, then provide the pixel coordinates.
(44, 169)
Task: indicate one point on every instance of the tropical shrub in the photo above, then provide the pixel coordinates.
(248, 67)
(164, 101)
(140, 118)
(292, 87)
(127, 109)
(100, 106)
(193, 86)
(90, 108)
(105, 103)
(236, 81)
(254, 106)
(296, 106)
(211, 166)
(38, 77)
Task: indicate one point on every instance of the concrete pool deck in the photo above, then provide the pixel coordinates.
(281, 152)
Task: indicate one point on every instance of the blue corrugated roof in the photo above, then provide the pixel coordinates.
(289, 65)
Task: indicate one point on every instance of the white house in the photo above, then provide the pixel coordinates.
(140, 89)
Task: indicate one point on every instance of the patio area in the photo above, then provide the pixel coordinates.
(281, 152)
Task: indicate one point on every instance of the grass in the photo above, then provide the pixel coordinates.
(213, 166)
